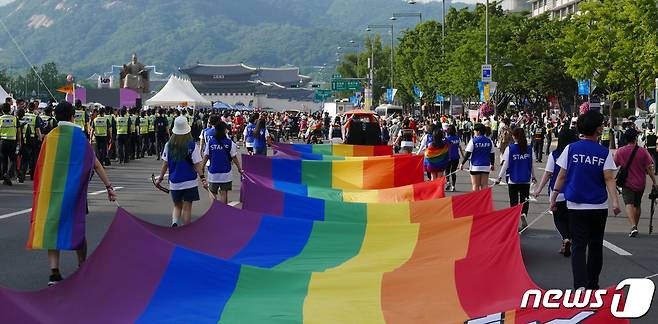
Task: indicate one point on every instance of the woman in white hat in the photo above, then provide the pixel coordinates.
(182, 157)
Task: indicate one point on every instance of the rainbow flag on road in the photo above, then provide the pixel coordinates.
(59, 205)
(284, 204)
(334, 149)
(395, 171)
(418, 191)
(236, 266)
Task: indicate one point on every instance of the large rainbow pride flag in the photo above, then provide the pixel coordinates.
(236, 266)
(283, 204)
(289, 258)
(395, 171)
(413, 192)
(333, 149)
(62, 176)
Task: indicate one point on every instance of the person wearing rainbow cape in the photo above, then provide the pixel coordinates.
(64, 168)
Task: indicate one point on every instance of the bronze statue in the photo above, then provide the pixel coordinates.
(135, 76)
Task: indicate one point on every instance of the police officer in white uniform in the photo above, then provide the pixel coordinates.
(586, 171)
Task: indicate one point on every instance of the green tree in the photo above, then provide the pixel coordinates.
(616, 44)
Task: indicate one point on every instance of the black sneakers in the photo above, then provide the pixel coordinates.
(54, 278)
(174, 225)
(7, 181)
(633, 232)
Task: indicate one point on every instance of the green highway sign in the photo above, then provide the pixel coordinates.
(345, 85)
(322, 94)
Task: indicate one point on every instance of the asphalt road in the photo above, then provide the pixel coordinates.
(23, 269)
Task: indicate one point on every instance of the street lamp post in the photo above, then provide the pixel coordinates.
(407, 14)
(371, 27)
(352, 44)
(486, 23)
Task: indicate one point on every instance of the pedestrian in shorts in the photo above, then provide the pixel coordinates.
(220, 151)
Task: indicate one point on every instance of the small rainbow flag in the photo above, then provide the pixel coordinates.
(380, 173)
(62, 175)
(334, 149)
(436, 158)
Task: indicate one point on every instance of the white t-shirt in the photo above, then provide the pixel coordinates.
(220, 177)
(609, 164)
(196, 158)
(475, 168)
(550, 167)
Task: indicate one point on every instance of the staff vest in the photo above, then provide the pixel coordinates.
(520, 164)
(8, 127)
(481, 155)
(80, 118)
(151, 123)
(220, 155)
(250, 133)
(182, 170)
(143, 125)
(606, 134)
(259, 140)
(100, 126)
(585, 181)
(30, 121)
(133, 124)
(122, 125)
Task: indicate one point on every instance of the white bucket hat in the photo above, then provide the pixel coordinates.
(181, 127)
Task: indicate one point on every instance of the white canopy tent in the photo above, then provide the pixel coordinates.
(178, 92)
(3, 94)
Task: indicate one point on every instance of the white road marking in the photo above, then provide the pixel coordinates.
(502, 183)
(651, 276)
(233, 203)
(616, 249)
(29, 210)
(24, 211)
(96, 193)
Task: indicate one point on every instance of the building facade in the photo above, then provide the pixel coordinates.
(276, 88)
(515, 5)
(555, 8)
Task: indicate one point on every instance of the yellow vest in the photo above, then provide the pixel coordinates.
(30, 121)
(100, 126)
(133, 123)
(80, 118)
(122, 125)
(8, 127)
(143, 125)
(606, 134)
(151, 120)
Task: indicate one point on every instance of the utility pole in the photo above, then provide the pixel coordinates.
(443, 27)
(486, 22)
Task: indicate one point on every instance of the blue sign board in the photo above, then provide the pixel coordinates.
(583, 87)
(418, 92)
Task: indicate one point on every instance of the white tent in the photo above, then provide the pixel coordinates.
(177, 92)
(3, 94)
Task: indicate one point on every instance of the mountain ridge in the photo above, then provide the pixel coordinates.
(88, 36)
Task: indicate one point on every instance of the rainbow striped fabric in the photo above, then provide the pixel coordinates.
(333, 149)
(294, 206)
(436, 158)
(413, 192)
(62, 175)
(237, 266)
(395, 171)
